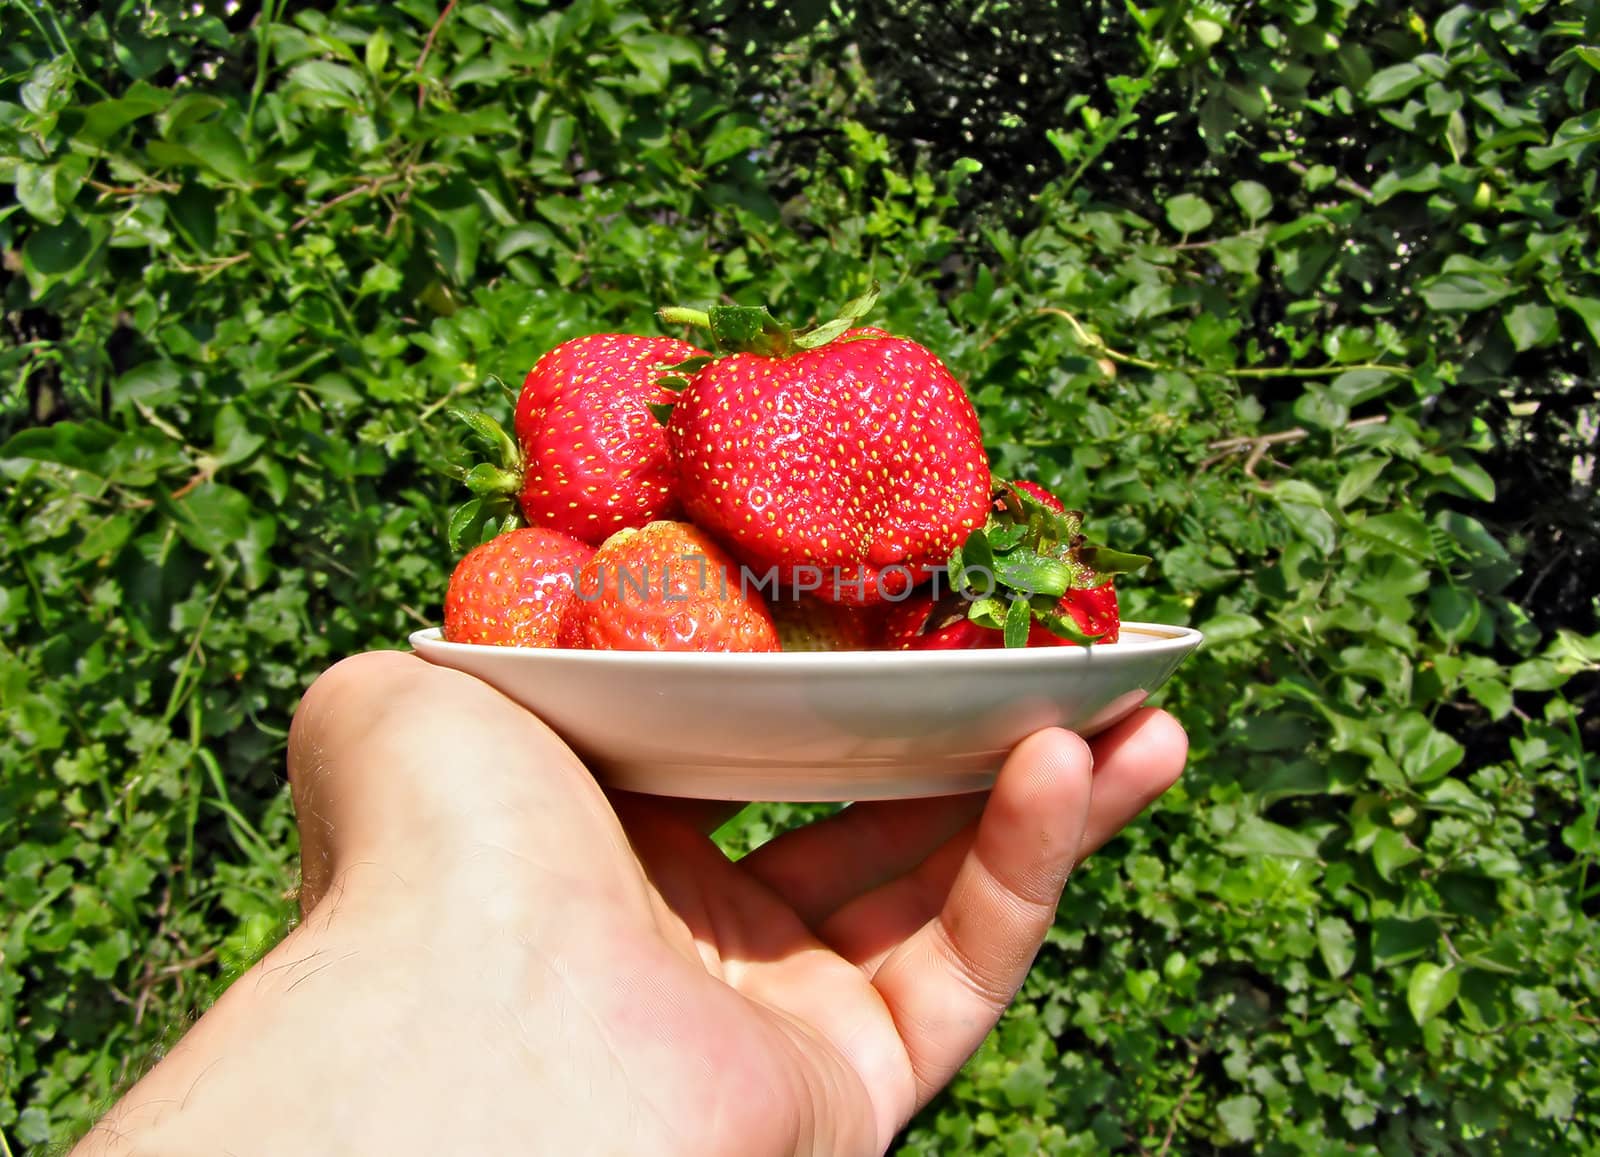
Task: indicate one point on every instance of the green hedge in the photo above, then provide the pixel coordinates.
(1301, 298)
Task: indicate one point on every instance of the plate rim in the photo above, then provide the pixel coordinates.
(1167, 639)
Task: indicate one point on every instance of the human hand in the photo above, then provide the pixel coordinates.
(496, 956)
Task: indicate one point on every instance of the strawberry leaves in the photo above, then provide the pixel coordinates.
(494, 484)
(752, 329)
(1015, 569)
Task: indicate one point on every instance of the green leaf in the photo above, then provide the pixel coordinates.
(58, 253)
(1531, 325)
(1359, 479)
(977, 560)
(1104, 561)
(1255, 836)
(103, 119)
(1392, 83)
(730, 138)
(1188, 213)
(1395, 941)
(1302, 507)
(1030, 573)
(217, 520)
(1423, 752)
(193, 209)
(1453, 612)
(153, 383)
(324, 84)
(502, 450)
(35, 188)
(738, 327)
(1337, 944)
(1019, 617)
(1239, 1116)
(1400, 530)
(80, 445)
(1229, 627)
(1252, 198)
(219, 149)
(454, 219)
(487, 479)
(1456, 798)
(1318, 407)
(1588, 311)
(849, 317)
(1391, 851)
(464, 523)
(1431, 990)
(1465, 292)
(1472, 478)
(607, 109)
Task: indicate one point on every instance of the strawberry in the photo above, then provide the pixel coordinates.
(512, 590)
(927, 622)
(1027, 578)
(924, 623)
(589, 458)
(1092, 609)
(665, 586)
(812, 624)
(842, 461)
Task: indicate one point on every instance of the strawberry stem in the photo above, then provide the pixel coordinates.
(678, 315)
(752, 329)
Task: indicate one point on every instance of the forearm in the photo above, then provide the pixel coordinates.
(364, 1031)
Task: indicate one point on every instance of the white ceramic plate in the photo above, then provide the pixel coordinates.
(841, 725)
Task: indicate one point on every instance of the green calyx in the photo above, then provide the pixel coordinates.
(751, 329)
(494, 482)
(1016, 567)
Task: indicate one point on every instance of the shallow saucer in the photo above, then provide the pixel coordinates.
(839, 725)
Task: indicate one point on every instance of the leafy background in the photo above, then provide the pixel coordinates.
(1301, 296)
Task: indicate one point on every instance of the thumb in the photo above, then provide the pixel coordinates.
(420, 772)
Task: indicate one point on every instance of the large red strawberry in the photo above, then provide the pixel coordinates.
(589, 456)
(513, 589)
(665, 586)
(595, 457)
(843, 461)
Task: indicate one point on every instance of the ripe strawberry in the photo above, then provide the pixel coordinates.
(1092, 609)
(847, 462)
(811, 624)
(926, 622)
(665, 586)
(595, 457)
(512, 590)
(589, 457)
